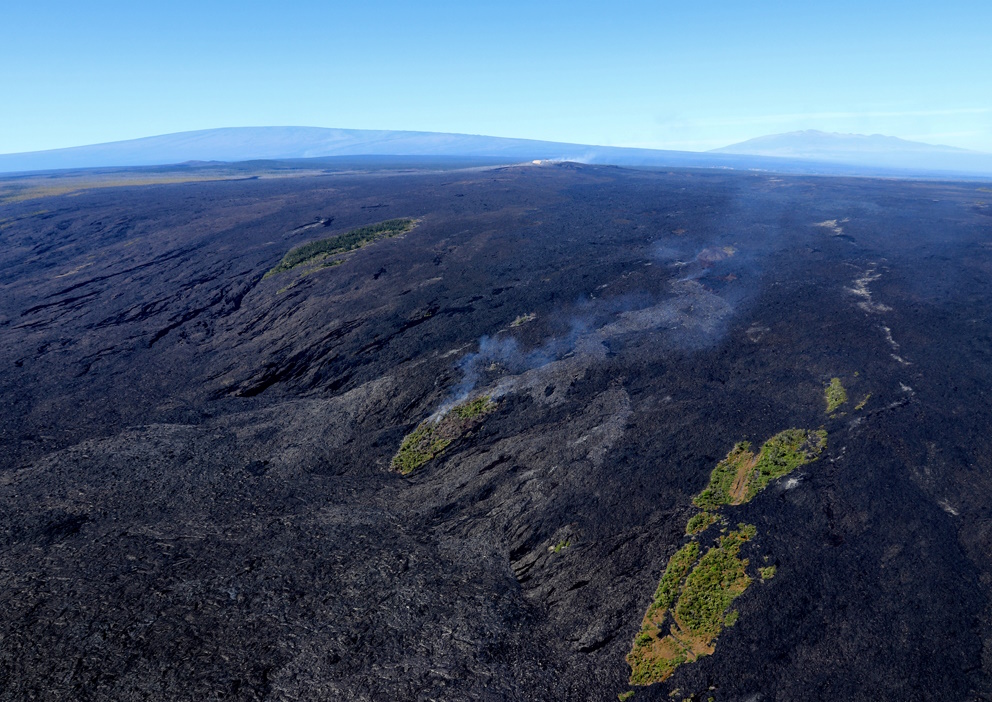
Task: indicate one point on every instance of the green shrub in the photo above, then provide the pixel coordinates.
(700, 521)
(716, 581)
(697, 592)
(419, 446)
(835, 395)
(316, 251)
(717, 493)
(783, 453)
(433, 436)
(474, 408)
(678, 565)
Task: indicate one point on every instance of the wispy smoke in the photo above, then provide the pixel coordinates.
(689, 317)
(705, 261)
(502, 354)
(586, 157)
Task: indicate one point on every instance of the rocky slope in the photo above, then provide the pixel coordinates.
(198, 500)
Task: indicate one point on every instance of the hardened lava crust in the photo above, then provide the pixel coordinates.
(449, 451)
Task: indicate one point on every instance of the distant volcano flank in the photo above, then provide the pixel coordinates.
(800, 152)
(859, 149)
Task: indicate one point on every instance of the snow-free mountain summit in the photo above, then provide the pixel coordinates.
(875, 150)
(799, 152)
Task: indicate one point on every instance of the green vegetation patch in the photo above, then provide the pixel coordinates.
(474, 408)
(314, 252)
(700, 521)
(782, 454)
(692, 602)
(678, 567)
(624, 696)
(835, 395)
(861, 405)
(718, 492)
(691, 607)
(742, 474)
(432, 436)
(712, 586)
(419, 446)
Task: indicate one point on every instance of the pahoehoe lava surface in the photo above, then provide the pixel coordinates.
(195, 461)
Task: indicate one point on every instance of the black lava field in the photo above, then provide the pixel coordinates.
(198, 501)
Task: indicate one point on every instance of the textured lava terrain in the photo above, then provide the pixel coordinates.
(197, 500)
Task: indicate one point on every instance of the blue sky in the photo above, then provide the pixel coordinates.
(684, 75)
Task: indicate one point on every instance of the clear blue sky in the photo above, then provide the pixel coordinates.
(686, 75)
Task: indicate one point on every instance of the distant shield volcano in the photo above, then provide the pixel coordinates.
(809, 152)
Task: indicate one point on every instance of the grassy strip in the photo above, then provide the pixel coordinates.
(316, 251)
(835, 395)
(780, 455)
(717, 493)
(433, 436)
(692, 602)
(474, 408)
(700, 521)
(702, 593)
(419, 446)
(654, 656)
(712, 586)
(678, 567)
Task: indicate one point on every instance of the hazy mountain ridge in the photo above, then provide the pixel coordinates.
(249, 143)
(244, 143)
(233, 144)
(806, 142)
(875, 150)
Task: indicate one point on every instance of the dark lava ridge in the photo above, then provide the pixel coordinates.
(197, 494)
